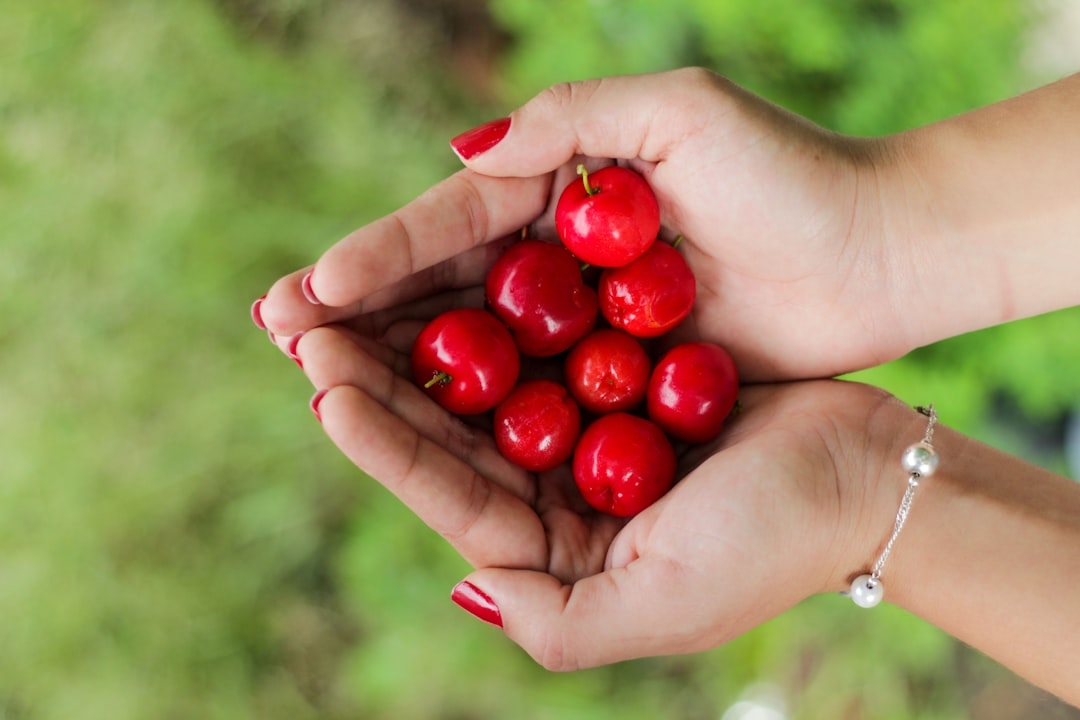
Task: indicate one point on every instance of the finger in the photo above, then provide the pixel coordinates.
(486, 523)
(396, 326)
(375, 324)
(465, 270)
(464, 211)
(285, 310)
(639, 610)
(628, 117)
(332, 358)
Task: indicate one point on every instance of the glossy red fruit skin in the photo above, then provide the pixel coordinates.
(608, 371)
(536, 289)
(615, 224)
(537, 425)
(651, 295)
(693, 390)
(476, 351)
(623, 464)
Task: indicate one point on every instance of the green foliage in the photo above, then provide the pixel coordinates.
(171, 509)
(178, 538)
(859, 66)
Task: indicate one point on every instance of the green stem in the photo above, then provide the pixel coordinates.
(439, 378)
(589, 189)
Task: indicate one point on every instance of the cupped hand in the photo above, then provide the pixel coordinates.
(780, 221)
(760, 519)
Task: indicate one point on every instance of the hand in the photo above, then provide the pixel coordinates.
(761, 520)
(778, 216)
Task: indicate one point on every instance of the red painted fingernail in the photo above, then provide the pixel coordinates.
(256, 313)
(316, 399)
(305, 287)
(476, 601)
(480, 139)
(290, 349)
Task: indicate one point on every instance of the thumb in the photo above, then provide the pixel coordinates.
(625, 117)
(635, 611)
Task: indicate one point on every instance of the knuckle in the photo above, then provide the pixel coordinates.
(565, 96)
(559, 95)
(698, 87)
(553, 655)
(474, 508)
(459, 438)
(695, 74)
(475, 208)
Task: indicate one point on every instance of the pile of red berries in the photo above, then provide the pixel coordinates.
(592, 335)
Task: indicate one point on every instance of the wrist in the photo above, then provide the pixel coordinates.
(873, 489)
(981, 207)
(989, 552)
(889, 241)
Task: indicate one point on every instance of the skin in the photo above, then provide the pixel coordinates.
(814, 254)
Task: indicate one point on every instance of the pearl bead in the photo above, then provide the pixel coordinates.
(920, 458)
(866, 592)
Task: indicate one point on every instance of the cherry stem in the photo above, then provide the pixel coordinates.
(677, 241)
(440, 378)
(589, 189)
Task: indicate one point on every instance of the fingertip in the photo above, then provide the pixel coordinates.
(292, 349)
(307, 291)
(530, 608)
(316, 402)
(256, 312)
(286, 310)
(480, 139)
(477, 603)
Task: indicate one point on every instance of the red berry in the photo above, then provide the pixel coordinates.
(536, 288)
(466, 361)
(692, 391)
(608, 371)
(608, 217)
(623, 464)
(537, 425)
(651, 295)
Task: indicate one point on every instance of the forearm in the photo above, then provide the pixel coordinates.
(990, 554)
(987, 208)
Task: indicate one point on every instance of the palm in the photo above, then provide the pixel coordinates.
(449, 472)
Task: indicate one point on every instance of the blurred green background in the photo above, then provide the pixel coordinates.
(177, 537)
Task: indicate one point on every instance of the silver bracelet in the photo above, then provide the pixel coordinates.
(919, 461)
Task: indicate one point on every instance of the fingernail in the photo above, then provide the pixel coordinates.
(305, 287)
(480, 139)
(256, 313)
(290, 349)
(477, 602)
(316, 399)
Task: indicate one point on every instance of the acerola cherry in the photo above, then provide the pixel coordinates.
(466, 360)
(623, 464)
(651, 295)
(537, 425)
(536, 288)
(693, 390)
(608, 371)
(609, 217)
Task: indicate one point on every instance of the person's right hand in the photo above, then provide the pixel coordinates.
(779, 218)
